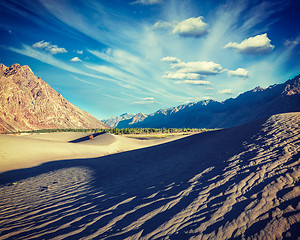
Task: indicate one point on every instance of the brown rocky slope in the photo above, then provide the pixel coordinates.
(27, 103)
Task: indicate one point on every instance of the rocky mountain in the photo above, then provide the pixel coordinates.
(133, 120)
(27, 103)
(125, 120)
(113, 122)
(249, 106)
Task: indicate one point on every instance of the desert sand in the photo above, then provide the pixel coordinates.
(29, 150)
(238, 183)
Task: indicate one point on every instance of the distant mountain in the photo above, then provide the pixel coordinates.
(113, 122)
(27, 103)
(249, 106)
(133, 120)
(125, 119)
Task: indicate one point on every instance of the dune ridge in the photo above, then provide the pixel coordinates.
(30, 150)
(238, 183)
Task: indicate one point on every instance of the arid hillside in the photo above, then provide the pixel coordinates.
(27, 102)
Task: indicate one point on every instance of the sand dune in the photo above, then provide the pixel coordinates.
(34, 149)
(239, 183)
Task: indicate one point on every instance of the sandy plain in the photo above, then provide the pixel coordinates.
(29, 150)
(238, 183)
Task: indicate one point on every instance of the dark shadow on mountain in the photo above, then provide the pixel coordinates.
(247, 107)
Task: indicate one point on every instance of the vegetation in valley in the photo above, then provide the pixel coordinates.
(122, 131)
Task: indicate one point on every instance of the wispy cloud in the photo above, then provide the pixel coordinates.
(292, 43)
(163, 25)
(171, 59)
(146, 100)
(260, 12)
(147, 2)
(109, 71)
(182, 75)
(194, 82)
(123, 60)
(87, 82)
(197, 99)
(41, 44)
(129, 51)
(51, 60)
(226, 91)
(53, 49)
(127, 80)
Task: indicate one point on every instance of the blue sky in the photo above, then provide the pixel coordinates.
(111, 57)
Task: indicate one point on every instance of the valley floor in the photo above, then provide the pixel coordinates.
(236, 183)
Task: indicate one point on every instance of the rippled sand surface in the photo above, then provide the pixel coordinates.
(235, 183)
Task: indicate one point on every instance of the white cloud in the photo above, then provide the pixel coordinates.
(104, 55)
(126, 67)
(41, 44)
(181, 75)
(110, 71)
(240, 72)
(192, 27)
(149, 99)
(191, 72)
(204, 68)
(84, 81)
(226, 23)
(170, 59)
(75, 59)
(53, 49)
(226, 91)
(147, 2)
(292, 43)
(206, 98)
(51, 60)
(146, 100)
(161, 24)
(194, 82)
(79, 51)
(260, 12)
(197, 99)
(254, 45)
(121, 59)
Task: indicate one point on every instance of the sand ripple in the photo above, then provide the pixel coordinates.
(236, 183)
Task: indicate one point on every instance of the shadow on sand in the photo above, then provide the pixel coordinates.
(156, 191)
(86, 138)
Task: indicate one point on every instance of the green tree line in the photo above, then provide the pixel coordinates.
(118, 131)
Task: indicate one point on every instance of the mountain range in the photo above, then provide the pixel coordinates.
(249, 106)
(113, 121)
(28, 103)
